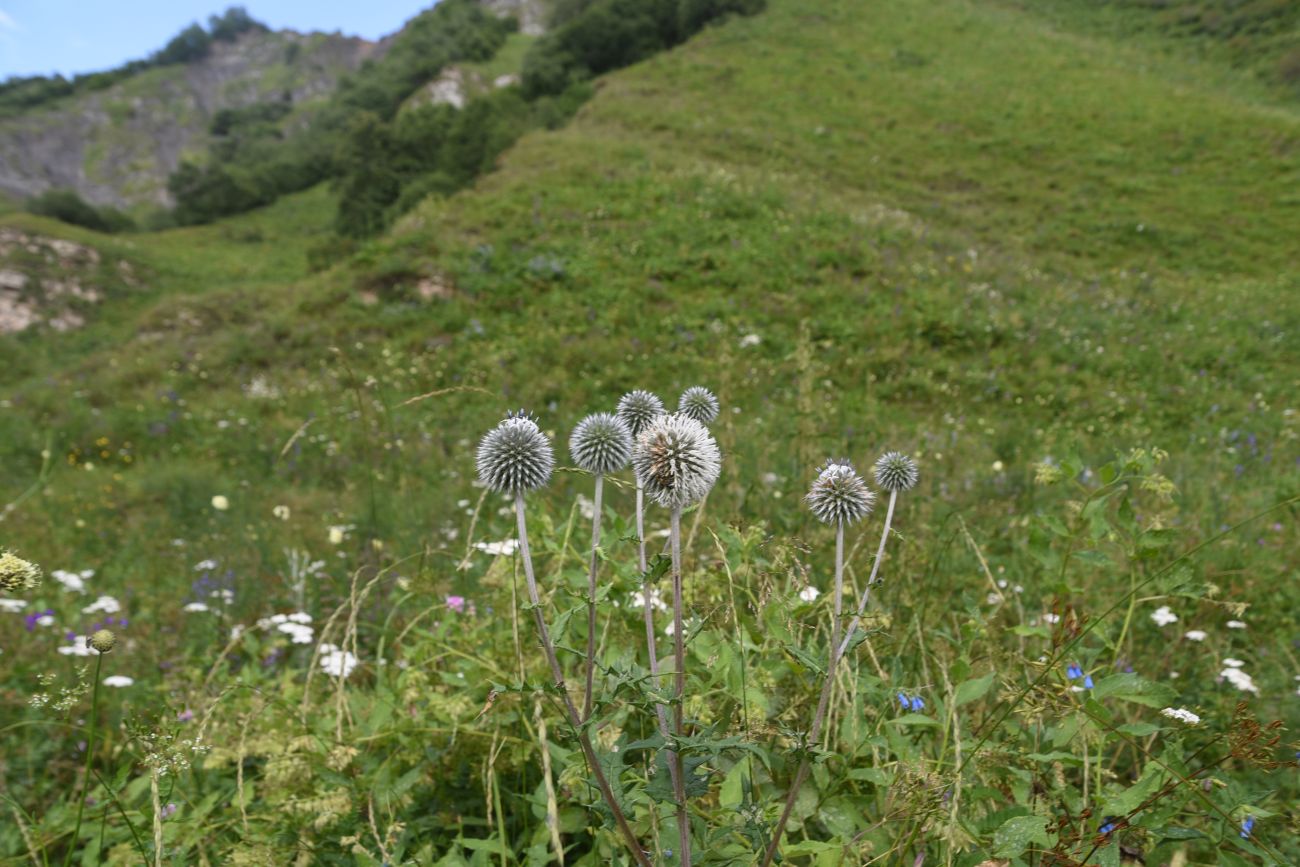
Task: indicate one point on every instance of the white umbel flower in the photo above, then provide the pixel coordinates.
(677, 461)
(839, 495)
(699, 403)
(1163, 616)
(638, 408)
(515, 456)
(601, 444)
(1182, 714)
(895, 471)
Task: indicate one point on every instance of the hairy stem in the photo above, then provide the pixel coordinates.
(679, 688)
(591, 600)
(823, 701)
(90, 756)
(557, 673)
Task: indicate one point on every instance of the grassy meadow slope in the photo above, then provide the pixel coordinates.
(947, 227)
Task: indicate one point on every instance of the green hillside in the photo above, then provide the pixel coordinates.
(1009, 244)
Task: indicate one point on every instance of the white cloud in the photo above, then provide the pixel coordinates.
(7, 22)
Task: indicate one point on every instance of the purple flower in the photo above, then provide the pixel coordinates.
(1247, 825)
(34, 619)
(902, 700)
(456, 603)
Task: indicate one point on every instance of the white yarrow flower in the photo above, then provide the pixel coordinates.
(809, 593)
(1163, 616)
(1182, 714)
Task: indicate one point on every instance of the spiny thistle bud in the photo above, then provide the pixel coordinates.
(638, 408)
(103, 641)
(839, 495)
(515, 456)
(601, 444)
(677, 461)
(16, 573)
(895, 471)
(698, 403)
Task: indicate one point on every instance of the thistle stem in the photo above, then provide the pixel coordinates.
(558, 674)
(875, 568)
(679, 688)
(90, 755)
(823, 702)
(647, 595)
(591, 600)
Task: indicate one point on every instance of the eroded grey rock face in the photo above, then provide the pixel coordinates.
(531, 13)
(118, 146)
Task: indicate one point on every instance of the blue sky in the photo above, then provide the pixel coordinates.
(69, 36)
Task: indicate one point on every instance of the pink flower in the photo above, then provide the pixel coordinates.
(456, 603)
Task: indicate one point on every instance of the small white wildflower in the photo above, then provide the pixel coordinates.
(750, 340)
(205, 565)
(809, 593)
(12, 605)
(1240, 679)
(1183, 715)
(337, 534)
(281, 512)
(1236, 624)
(1195, 635)
(118, 680)
(195, 607)
(336, 662)
(1049, 617)
(1233, 663)
(1163, 616)
(73, 582)
(106, 604)
(504, 548)
(220, 503)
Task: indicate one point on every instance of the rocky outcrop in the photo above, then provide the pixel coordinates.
(118, 146)
(531, 14)
(53, 281)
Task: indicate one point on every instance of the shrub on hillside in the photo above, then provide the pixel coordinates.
(69, 207)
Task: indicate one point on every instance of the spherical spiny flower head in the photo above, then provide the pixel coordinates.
(698, 403)
(677, 460)
(895, 471)
(103, 641)
(515, 456)
(16, 573)
(601, 443)
(638, 408)
(839, 495)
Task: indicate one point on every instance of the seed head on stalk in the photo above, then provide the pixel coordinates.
(677, 461)
(699, 403)
(515, 457)
(895, 471)
(638, 408)
(839, 495)
(601, 444)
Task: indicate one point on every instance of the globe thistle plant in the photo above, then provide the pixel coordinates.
(699, 403)
(839, 495)
(16, 573)
(600, 444)
(895, 471)
(515, 457)
(677, 461)
(638, 408)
